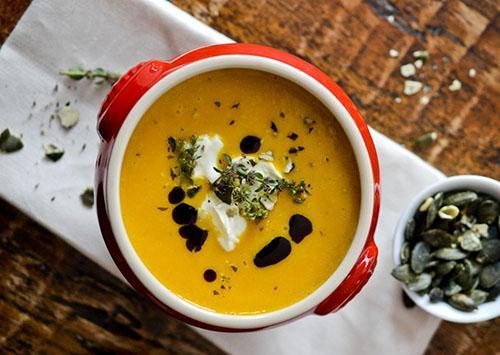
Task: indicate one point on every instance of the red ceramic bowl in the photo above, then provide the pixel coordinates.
(138, 89)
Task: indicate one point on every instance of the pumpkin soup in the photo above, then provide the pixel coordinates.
(240, 191)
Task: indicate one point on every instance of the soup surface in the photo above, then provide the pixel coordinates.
(288, 122)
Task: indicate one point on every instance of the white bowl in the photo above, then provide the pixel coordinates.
(442, 310)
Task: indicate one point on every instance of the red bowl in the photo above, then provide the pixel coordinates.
(133, 94)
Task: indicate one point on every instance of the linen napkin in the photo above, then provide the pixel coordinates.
(57, 34)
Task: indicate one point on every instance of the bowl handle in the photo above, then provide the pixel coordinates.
(125, 93)
(353, 283)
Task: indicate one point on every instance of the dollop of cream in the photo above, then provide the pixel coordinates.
(226, 218)
(208, 151)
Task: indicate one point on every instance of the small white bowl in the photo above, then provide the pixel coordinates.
(442, 310)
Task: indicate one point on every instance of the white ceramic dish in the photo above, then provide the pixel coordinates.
(442, 310)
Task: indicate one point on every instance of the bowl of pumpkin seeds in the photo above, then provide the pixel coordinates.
(447, 249)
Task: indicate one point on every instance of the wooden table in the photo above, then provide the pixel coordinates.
(55, 300)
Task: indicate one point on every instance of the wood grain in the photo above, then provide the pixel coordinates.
(52, 299)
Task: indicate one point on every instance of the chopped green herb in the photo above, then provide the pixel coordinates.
(232, 122)
(192, 191)
(9, 143)
(162, 208)
(217, 103)
(99, 75)
(293, 136)
(87, 197)
(236, 105)
(186, 155)
(251, 192)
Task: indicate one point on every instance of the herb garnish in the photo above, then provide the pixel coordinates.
(293, 136)
(99, 75)
(192, 191)
(186, 150)
(252, 193)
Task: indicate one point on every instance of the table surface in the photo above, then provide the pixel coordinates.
(55, 300)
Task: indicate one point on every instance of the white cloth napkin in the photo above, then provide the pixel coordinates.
(57, 34)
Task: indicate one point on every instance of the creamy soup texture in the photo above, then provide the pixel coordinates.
(288, 122)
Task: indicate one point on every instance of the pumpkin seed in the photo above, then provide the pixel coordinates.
(490, 252)
(464, 277)
(444, 268)
(9, 143)
(488, 211)
(449, 212)
(451, 288)
(478, 296)
(426, 204)
(421, 282)
(460, 199)
(432, 212)
(436, 294)
(405, 253)
(68, 116)
(420, 256)
(449, 254)
(438, 199)
(493, 231)
(469, 241)
(481, 229)
(493, 292)
(438, 238)
(403, 273)
(462, 302)
(490, 275)
(410, 229)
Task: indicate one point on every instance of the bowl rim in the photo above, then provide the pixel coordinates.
(442, 310)
(358, 143)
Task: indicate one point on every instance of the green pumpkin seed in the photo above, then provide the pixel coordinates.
(438, 238)
(448, 212)
(403, 273)
(490, 252)
(438, 200)
(451, 288)
(9, 143)
(432, 212)
(460, 199)
(475, 267)
(462, 302)
(493, 292)
(469, 241)
(478, 296)
(421, 282)
(488, 211)
(410, 229)
(420, 256)
(464, 277)
(405, 253)
(449, 254)
(481, 229)
(444, 268)
(426, 204)
(436, 294)
(490, 275)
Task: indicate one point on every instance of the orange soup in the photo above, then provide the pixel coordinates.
(240, 191)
